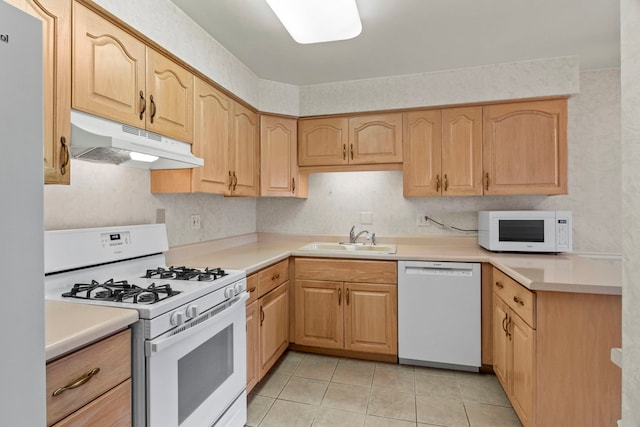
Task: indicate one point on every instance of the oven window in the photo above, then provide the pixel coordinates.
(521, 230)
(203, 370)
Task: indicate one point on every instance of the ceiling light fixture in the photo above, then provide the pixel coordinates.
(317, 21)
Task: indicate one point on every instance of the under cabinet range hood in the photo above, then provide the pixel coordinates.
(100, 140)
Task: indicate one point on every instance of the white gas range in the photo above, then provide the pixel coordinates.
(189, 346)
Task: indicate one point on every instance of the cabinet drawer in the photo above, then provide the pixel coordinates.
(517, 297)
(112, 355)
(113, 409)
(271, 277)
(252, 288)
(347, 270)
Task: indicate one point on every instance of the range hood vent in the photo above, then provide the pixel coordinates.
(101, 140)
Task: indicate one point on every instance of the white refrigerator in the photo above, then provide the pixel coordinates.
(22, 359)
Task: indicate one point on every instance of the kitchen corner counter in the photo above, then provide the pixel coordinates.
(538, 272)
(71, 326)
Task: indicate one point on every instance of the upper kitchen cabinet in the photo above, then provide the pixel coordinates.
(443, 152)
(278, 158)
(525, 148)
(323, 142)
(375, 139)
(244, 152)
(118, 77)
(170, 90)
(56, 32)
(226, 137)
(357, 140)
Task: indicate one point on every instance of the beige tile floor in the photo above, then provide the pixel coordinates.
(311, 390)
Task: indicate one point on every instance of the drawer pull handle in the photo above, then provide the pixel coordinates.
(518, 301)
(252, 289)
(275, 276)
(77, 383)
(499, 285)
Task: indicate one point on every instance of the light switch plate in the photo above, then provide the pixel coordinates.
(366, 218)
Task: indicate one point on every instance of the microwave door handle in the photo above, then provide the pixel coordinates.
(158, 345)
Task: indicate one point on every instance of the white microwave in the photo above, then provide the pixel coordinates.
(525, 231)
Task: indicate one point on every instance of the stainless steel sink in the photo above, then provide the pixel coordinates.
(349, 247)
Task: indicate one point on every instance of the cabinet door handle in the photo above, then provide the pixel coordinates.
(143, 105)
(347, 296)
(438, 183)
(486, 181)
(65, 153)
(339, 296)
(77, 383)
(504, 327)
(351, 151)
(153, 108)
(344, 151)
(499, 284)
(446, 182)
(293, 185)
(230, 181)
(518, 300)
(261, 315)
(509, 333)
(235, 180)
(275, 276)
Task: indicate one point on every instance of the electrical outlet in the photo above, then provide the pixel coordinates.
(195, 222)
(421, 220)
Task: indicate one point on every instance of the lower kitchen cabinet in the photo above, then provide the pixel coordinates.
(551, 354)
(92, 386)
(267, 319)
(351, 306)
(274, 326)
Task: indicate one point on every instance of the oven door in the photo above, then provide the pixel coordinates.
(196, 372)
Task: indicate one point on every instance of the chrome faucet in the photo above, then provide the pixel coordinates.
(353, 237)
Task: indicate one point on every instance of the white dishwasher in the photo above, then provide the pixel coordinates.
(439, 314)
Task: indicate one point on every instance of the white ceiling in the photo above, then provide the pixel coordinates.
(413, 36)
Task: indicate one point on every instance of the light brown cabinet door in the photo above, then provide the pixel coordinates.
(501, 344)
(56, 61)
(274, 326)
(523, 366)
(278, 156)
(245, 155)
(371, 318)
(462, 151)
(323, 142)
(252, 345)
(375, 139)
(319, 313)
(212, 135)
(170, 92)
(422, 167)
(525, 148)
(108, 70)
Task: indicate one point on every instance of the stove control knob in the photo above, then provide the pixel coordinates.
(229, 292)
(177, 318)
(239, 288)
(192, 311)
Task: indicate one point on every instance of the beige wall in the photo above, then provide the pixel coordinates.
(630, 70)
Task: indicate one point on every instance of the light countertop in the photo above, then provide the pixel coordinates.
(541, 272)
(69, 326)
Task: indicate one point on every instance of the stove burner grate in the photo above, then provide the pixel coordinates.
(120, 291)
(186, 273)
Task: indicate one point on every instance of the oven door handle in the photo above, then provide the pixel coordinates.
(198, 324)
